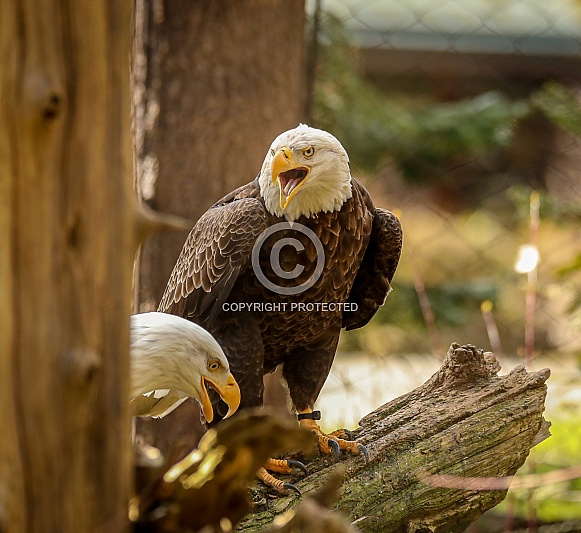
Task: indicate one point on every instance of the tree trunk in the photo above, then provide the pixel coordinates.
(66, 250)
(215, 82)
(464, 422)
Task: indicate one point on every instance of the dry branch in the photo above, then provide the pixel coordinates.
(465, 421)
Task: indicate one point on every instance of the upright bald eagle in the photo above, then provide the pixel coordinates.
(274, 293)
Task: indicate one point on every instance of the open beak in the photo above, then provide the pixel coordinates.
(230, 394)
(290, 178)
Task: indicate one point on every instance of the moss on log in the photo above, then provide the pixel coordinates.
(465, 421)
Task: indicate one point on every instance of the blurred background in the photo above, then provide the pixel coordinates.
(462, 116)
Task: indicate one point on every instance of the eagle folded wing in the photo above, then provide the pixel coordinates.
(217, 249)
(373, 281)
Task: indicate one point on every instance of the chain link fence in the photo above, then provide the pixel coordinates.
(464, 116)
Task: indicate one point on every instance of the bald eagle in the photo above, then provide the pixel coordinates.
(173, 359)
(275, 270)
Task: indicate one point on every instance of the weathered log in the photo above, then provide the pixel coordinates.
(465, 421)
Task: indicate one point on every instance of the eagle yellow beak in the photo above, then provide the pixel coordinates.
(289, 177)
(230, 394)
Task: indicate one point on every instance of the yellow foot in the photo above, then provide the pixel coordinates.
(284, 466)
(334, 443)
(268, 479)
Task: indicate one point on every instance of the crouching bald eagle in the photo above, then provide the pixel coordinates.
(279, 266)
(173, 359)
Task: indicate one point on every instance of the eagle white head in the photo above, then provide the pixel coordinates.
(169, 352)
(305, 172)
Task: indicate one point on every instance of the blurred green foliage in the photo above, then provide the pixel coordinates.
(556, 501)
(421, 137)
(456, 303)
(559, 104)
(558, 211)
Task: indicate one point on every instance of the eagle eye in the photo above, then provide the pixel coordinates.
(309, 152)
(214, 365)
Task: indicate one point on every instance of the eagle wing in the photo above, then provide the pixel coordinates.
(217, 249)
(373, 281)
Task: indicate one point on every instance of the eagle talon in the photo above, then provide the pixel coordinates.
(297, 464)
(334, 445)
(365, 452)
(290, 486)
(279, 486)
(284, 466)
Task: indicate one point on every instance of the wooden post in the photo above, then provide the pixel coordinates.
(67, 241)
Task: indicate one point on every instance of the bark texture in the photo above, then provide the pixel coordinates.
(67, 241)
(465, 421)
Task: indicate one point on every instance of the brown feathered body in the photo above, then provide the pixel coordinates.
(214, 283)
